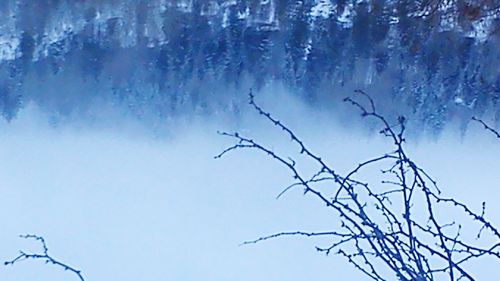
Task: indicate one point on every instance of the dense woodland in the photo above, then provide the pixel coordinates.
(435, 60)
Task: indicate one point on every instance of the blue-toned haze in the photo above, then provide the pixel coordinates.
(122, 206)
(110, 112)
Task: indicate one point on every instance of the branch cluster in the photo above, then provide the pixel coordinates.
(394, 226)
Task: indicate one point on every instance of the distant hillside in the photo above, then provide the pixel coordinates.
(435, 60)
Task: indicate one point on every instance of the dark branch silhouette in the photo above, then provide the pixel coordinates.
(487, 127)
(393, 225)
(44, 256)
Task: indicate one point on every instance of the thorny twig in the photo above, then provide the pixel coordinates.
(382, 226)
(487, 127)
(44, 256)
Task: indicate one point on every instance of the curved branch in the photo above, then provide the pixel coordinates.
(44, 256)
(374, 233)
(487, 127)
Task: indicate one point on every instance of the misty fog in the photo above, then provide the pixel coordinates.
(113, 113)
(120, 203)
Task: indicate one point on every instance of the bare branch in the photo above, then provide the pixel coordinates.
(374, 234)
(487, 127)
(44, 256)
